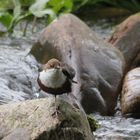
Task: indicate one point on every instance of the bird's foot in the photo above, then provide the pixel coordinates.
(56, 113)
(75, 82)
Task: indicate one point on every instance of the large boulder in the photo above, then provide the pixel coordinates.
(130, 99)
(99, 66)
(36, 120)
(127, 38)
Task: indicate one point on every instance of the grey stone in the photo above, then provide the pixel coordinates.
(35, 120)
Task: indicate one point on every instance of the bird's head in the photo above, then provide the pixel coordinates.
(53, 64)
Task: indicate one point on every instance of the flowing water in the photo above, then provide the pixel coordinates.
(18, 73)
(16, 70)
(117, 128)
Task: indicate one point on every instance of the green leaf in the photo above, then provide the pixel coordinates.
(61, 6)
(26, 2)
(45, 12)
(25, 16)
(6, 19)
(17, 8)
(14, 22)
(39, 9)
(6, 5)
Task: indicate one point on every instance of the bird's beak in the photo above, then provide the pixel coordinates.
(57, 67)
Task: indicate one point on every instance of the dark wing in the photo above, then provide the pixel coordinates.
(68, 71)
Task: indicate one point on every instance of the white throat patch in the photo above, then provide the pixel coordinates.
(53, 78)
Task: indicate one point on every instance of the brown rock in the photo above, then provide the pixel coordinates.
(127, 38)
(99, 66)
(130, 100)
(33, 120)
(136, 62)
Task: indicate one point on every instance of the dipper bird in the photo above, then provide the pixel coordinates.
(56, 78)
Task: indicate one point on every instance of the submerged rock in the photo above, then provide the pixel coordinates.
(99, 66)
(127, 38)
(130, 100)
(34, 120)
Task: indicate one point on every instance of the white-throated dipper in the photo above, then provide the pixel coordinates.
(56, 78)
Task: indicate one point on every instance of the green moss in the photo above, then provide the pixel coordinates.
(92, 122)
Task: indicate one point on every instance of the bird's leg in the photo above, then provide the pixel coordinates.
(55, 114)
(75, 82)
(55, 104)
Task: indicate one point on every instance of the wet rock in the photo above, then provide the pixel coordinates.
(136, 62)
(99, 66)
(35, 120)
(126, 38)
(130, 101)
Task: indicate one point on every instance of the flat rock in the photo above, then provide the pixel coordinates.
(99, 66)
(130, 101)
(35, 120)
